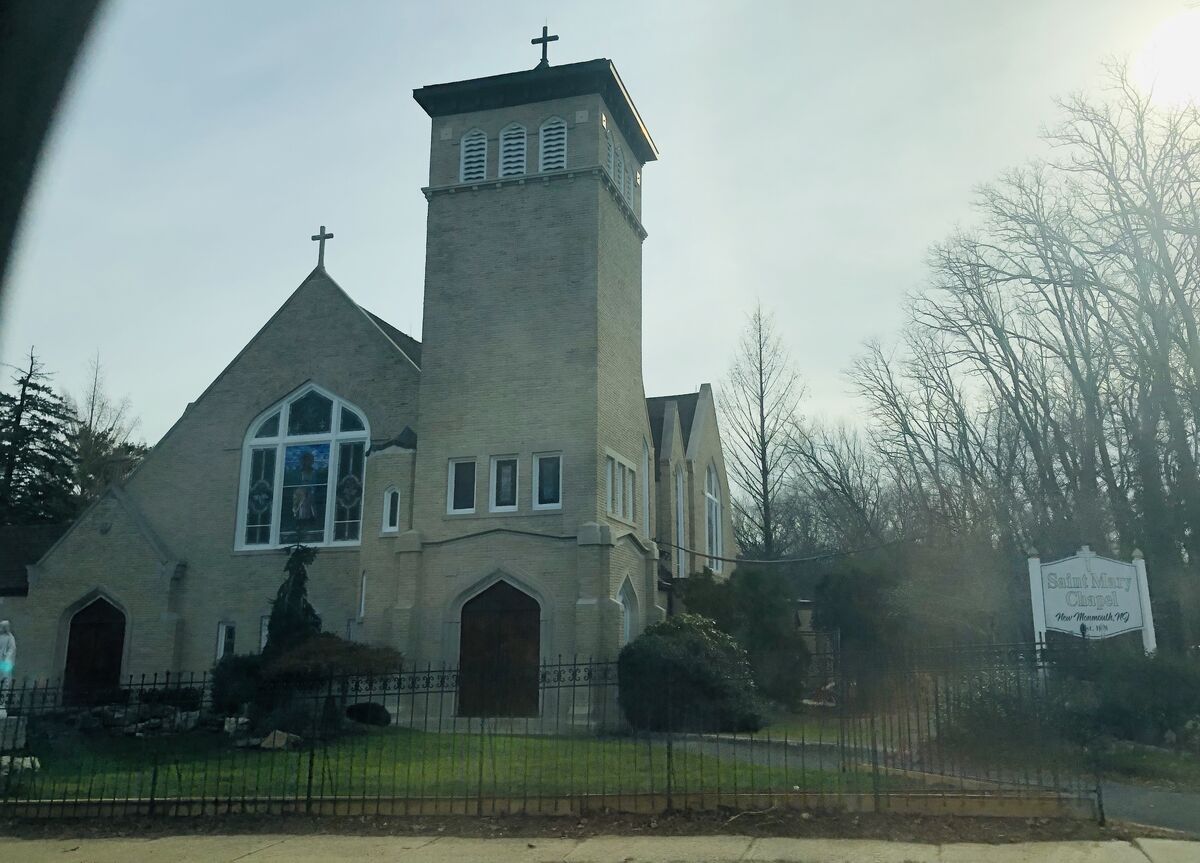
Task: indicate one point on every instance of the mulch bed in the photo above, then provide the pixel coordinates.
(827, 825)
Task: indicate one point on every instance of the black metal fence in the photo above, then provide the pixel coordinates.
(957, 730)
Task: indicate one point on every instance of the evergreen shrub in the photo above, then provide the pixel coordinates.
(685, 674)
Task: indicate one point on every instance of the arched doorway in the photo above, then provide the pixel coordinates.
(499, 651)
(94, 647)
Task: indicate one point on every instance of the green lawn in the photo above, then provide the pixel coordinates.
(405, 763)
(1156, 767)
(801, 728)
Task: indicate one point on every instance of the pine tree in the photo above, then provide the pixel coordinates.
(293, 619)
(37, 465)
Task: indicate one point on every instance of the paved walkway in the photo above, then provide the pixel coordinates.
(602, 849)
(1175, 810)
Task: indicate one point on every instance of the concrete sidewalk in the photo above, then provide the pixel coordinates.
(601, 849)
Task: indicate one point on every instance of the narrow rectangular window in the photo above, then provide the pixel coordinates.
(362, 595)
(610, 470)
(679, 524)
(260, 496)
(225, 639)
(347, 512)
(620, 495)
(630, 494)
(504, 484)
(391, 511)
(547, 479)
(462, 486)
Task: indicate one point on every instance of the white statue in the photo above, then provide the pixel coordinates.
(8, 661)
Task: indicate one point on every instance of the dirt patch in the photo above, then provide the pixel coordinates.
(828, 825)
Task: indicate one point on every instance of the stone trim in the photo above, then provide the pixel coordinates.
(545, 177)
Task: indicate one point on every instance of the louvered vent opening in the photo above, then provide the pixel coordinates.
(629, 182)
(473, 164)
(512, 151)
(608, 146)
(619, 174)
(552, 153)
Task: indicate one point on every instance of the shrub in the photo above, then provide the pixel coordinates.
(293, 619)
(180, 697)
(369, 713)
(326, 656)
(685, 674)
(236, 680)
(758, 608)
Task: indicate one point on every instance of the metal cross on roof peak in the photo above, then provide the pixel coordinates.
(321, 238)
(544, 41)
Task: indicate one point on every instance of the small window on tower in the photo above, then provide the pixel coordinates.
(504, 484)
(472, 167)
(547, 481)
(462, 486)
(552, 145)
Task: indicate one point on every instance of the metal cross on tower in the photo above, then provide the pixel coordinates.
(321, 238)
(544, 42)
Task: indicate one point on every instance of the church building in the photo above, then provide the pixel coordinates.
(501, 491)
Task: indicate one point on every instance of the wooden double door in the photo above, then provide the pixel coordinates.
(95, 645)
(499, 653)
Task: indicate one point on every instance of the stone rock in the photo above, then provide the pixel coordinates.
(12, 733)
(1170, 738)
(187, 720)
(18, 764)
(280, 740)
(236, 724)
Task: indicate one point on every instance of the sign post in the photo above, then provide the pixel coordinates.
(1091, 597)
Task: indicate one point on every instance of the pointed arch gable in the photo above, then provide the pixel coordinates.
(95, 594)
(527, 584)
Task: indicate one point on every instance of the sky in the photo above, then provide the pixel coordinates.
(811, 153)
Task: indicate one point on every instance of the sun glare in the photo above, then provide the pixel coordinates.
(1169, 65)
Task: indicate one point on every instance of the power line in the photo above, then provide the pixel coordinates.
(829, 555)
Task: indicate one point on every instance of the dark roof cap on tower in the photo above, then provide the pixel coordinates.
(540, 85)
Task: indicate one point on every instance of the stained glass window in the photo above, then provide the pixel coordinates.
(260, 495)
(549, 480)
(269, 427)
(310, 414)
(306, 485)
(348, 514)
(504, 483)
(351, 421)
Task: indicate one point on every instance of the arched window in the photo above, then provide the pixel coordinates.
(609, 156)
(629, 613)
(680, 534)
(391, 510)
(302, 473)
(619, 176)
(713, 519)
(552, 145)
(512, 150)
(472, 157)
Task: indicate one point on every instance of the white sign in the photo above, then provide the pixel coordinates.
(1091, 597)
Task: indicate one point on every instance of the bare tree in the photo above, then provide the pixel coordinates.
(102, 436)
(759, 404)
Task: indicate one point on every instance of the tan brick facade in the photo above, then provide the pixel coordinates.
(532, 344)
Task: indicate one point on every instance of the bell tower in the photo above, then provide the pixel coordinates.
(532, 327)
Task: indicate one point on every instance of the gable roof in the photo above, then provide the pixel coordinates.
(685, 403)
(403, 341)
(542, 84)
(20, 546)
